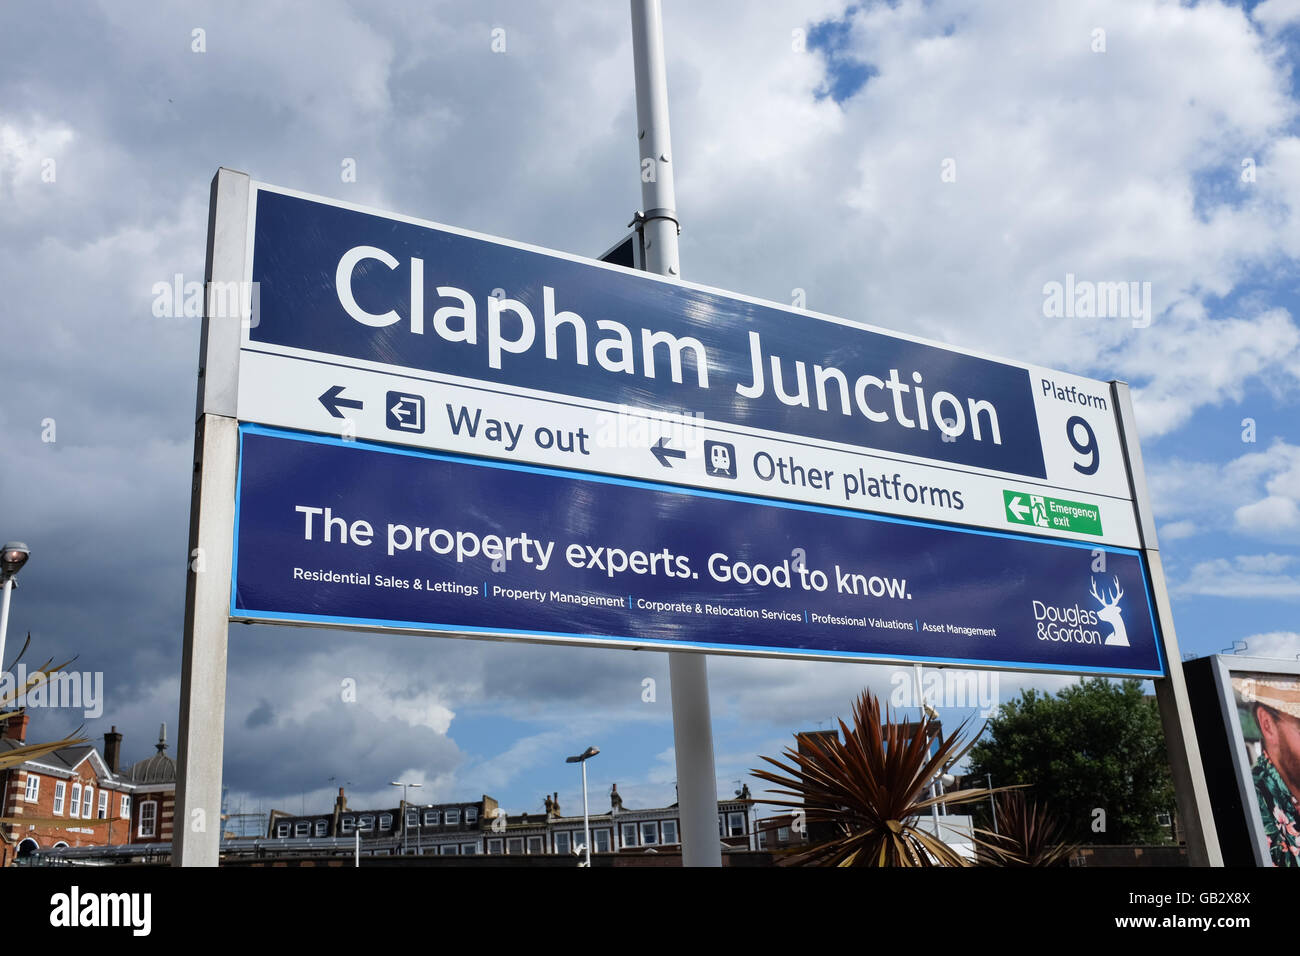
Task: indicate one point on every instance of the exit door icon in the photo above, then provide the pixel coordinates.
(404, 412)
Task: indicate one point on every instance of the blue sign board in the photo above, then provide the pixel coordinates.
(354, 285)
(358, 535)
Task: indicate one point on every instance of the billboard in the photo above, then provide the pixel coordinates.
(1247, 713)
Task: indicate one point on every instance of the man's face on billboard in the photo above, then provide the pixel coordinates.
(1281, 735)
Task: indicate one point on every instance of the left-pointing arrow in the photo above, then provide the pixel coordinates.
(333, 401)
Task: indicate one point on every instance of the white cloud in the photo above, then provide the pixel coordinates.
(1280, 644)
(1271, 515)
(1175, 530)
(1274, 15)
(1244, 576)
(1255, 494)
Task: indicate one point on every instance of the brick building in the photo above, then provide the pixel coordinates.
(78, 797)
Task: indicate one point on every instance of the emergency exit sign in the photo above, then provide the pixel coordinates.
(1056, 514)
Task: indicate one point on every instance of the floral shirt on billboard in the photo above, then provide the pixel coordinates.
(1278, 812)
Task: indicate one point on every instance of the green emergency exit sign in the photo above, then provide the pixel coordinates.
(1055, 514)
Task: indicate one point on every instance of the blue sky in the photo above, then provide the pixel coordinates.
(810, 141)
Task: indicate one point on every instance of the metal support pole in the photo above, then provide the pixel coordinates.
(656, 152)
(586, 819)
(697, 788)
(1190, 789)
(196, 827)
(4, 616)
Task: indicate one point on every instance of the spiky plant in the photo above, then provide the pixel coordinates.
(1029, 834)
(871, 786)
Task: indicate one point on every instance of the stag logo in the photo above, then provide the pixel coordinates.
(1110, 613)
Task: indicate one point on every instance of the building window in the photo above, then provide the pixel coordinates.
(562, 843)
(88, 803)
(346, 824)
(385, 821)
(515, 846)
(148, 817)
(471, 816)
(412, 818)
(453, 818)
(366, 823)
(736, 823)
(535, 845)
(103, 804)
(124, 810)
(302, 828)
(59, 789)
(494, 846)
(430, 818)
(722, 827)
(322, 827)
(74, 805)
(670, 831)
(468, 849)
(629, 834)
(783, 834)
(762, 839)
(449, 849)
(600, 840)
(33, 787)
(650, 833)
(282, 830)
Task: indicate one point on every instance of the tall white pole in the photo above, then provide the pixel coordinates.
(697, 789)
(655, 144)
(4, 617)
(1191, 790)
(586, 819)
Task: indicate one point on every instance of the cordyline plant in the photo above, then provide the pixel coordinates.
(872, 787)
(1029, 834)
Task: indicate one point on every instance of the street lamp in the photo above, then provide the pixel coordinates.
(582, 759)
(404, 786)
(13, 556)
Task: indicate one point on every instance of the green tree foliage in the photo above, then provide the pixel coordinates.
(1095, 745)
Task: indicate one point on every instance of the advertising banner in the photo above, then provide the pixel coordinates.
(351, 534)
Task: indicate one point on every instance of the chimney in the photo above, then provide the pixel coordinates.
(340, 802)
(555, 798)
(112, 749)
(15, 728)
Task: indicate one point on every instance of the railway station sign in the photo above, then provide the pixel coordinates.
(377, 326)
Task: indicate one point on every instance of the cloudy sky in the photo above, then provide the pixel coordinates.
(1108, 139)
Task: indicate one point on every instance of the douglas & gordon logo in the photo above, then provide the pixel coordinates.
(1080, 625)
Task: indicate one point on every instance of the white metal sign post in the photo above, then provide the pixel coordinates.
(1191, 791)
(197, 824)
